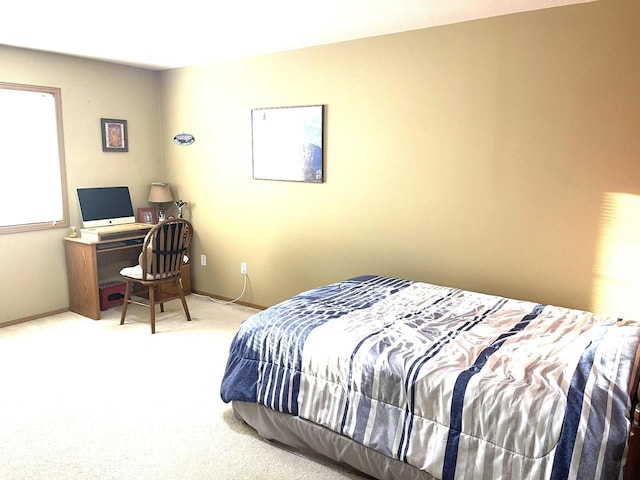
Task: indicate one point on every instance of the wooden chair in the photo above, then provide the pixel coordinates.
(163, 254)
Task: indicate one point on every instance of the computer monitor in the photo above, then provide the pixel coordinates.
(104, 206)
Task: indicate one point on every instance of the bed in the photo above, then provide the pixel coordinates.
(407, 380)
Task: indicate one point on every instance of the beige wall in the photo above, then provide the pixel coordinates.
(481, 155)
(34, 274)
(474, 155)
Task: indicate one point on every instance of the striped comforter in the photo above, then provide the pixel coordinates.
(456, 383)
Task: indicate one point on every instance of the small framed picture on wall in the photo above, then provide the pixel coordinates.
(115, 137)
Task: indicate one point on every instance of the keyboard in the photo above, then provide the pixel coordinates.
(102, 246)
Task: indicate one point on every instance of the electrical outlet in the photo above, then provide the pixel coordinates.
(203, 260)
(243, 268)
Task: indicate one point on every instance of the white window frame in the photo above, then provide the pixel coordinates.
(30, 194)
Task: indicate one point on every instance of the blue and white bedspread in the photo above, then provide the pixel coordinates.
(458, 384)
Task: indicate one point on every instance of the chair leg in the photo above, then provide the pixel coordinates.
(184, 300)
(152, 308)
(125, 302)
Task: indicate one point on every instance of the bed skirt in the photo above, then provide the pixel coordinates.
(310, 439)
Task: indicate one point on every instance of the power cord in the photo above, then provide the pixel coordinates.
(220, 302)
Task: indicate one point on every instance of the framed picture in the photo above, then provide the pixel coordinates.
(147, 215)
(288, 143)
(115, 137)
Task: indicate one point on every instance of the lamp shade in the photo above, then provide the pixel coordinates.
(160, 193)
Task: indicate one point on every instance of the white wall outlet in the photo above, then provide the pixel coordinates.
(203, 260)
(243, 268)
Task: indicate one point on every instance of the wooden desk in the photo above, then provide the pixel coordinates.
(90, 264)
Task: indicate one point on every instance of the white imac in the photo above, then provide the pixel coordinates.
(105, 206)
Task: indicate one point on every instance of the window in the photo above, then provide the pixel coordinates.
(33, 190)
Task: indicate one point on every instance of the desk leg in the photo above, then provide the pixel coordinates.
(82, 274)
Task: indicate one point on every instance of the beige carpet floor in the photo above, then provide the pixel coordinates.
(87, 399)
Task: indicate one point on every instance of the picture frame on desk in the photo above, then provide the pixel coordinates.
(147, 215)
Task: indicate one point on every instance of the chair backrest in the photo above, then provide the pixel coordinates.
(164, 248)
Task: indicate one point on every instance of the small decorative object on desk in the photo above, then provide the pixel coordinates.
(180, 204)
(73, 232)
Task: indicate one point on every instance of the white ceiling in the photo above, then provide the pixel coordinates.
(162, 34)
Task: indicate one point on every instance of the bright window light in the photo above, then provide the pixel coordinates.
(33, 193)
(617, 269)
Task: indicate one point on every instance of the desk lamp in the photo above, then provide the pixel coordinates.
(160, 193)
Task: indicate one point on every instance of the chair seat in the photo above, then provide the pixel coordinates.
(136, 271)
